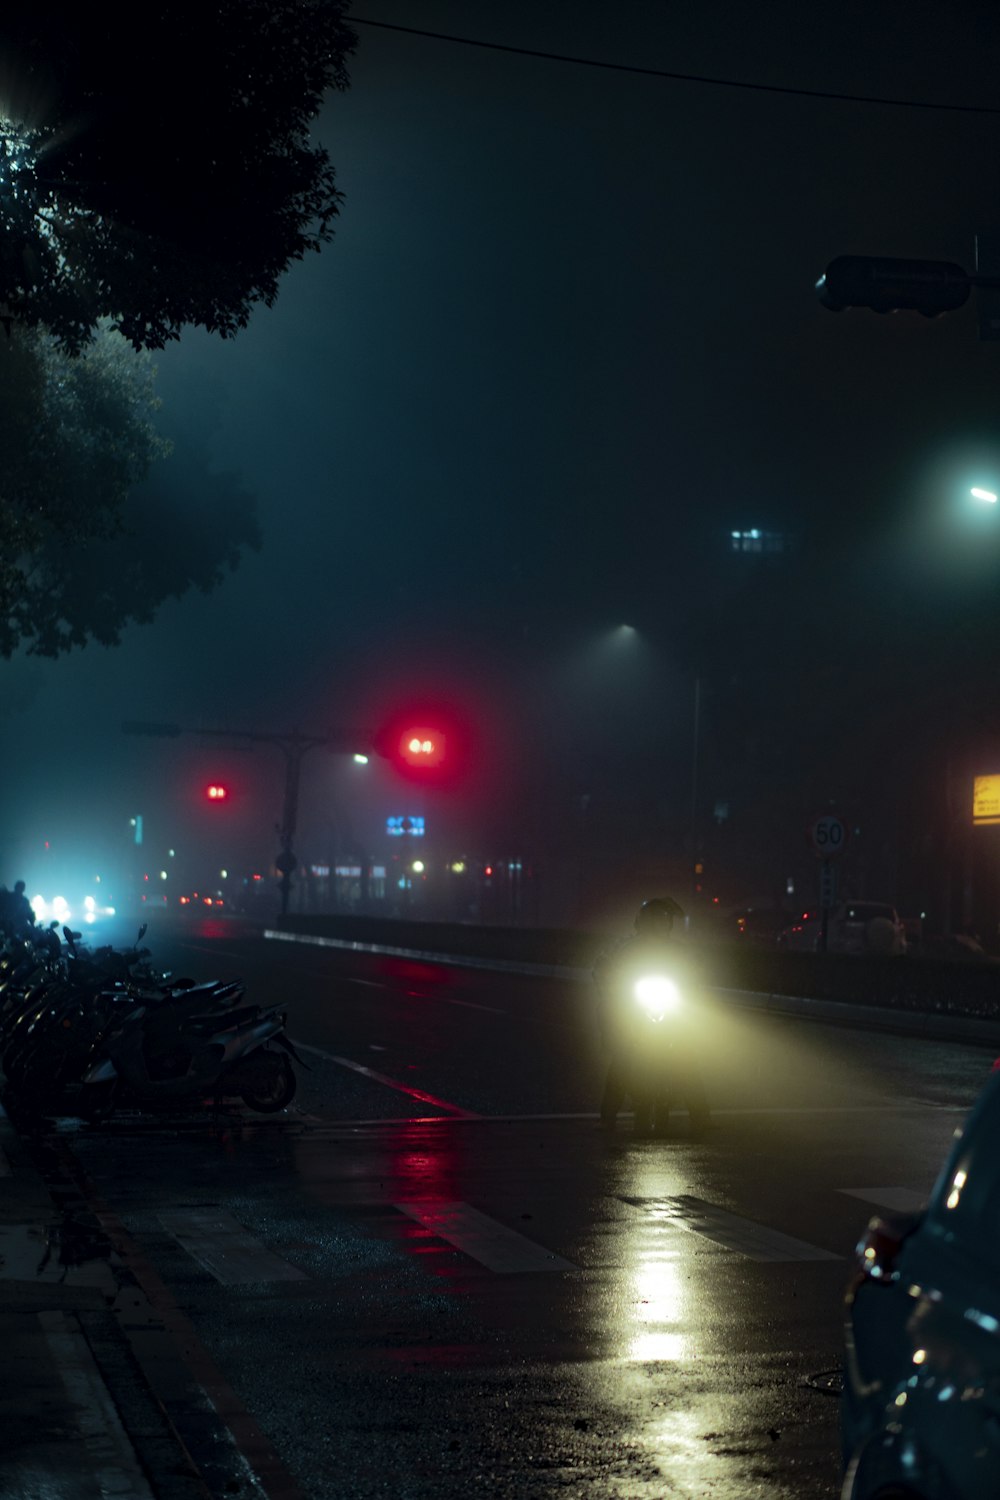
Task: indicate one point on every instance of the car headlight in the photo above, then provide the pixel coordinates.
(658, 996)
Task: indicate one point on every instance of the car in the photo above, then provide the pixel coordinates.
(852, 927)
(920, 1412)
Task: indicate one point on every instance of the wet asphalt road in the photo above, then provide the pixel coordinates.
(434, 1275)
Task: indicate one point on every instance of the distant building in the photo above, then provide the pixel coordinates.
(757, 541)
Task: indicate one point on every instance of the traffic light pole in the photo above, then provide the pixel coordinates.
(294, 746)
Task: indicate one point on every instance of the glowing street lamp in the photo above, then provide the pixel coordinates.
(987, 496)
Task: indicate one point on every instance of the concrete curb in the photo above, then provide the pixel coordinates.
(931, 1024)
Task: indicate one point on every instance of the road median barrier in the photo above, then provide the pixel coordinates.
(929, 997)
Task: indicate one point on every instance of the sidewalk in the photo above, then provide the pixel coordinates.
(77, 1419)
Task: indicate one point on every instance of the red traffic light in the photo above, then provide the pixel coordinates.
(422, 747)
(216, 792)
(426, 742)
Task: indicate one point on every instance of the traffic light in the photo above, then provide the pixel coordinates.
(426, 743)
(930, 287)
(422, 747)
(216, 792)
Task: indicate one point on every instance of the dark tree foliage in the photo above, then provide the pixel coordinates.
(185, 527)
(100, 521)
(156, 165)
(76, 434)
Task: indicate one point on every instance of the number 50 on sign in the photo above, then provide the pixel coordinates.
(827, 835)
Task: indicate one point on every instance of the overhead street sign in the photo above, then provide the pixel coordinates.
(827, 835)
(986, 800)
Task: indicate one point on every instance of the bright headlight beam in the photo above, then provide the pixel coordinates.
(657, 995)
(986, 495)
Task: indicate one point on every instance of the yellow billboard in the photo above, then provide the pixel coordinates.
(986, 800)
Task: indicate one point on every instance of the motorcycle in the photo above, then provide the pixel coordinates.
(85, 1033)
(152, 1059)
(655, 1059)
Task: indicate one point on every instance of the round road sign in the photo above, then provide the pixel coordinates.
(827, 835)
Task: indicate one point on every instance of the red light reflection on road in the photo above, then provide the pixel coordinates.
(410, 971)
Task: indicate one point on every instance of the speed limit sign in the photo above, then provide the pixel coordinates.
(827, 835)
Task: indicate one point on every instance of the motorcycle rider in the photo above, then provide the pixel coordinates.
(16, 914)
(651, 946)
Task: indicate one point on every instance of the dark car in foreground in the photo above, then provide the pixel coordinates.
(920, 1416)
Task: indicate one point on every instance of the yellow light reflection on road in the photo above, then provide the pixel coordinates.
(658, 1297)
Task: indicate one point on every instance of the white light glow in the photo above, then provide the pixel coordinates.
(360, 760)
(657, 995)
(986, 495)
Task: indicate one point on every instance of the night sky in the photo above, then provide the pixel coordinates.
(564, 341)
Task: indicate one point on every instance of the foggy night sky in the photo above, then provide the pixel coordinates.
(565, 331)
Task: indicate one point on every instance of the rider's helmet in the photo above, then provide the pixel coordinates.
(655, 918)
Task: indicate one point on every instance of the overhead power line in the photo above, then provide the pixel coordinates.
(722, 83)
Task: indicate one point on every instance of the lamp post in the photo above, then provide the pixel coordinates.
(293, 746)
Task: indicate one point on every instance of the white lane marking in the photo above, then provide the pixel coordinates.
(493, 1010)
(624, 1137)
(392, 1083)
(118, 1471)
(901, 1200)
(224, 1247)
(731, 1231)
(487, 1240)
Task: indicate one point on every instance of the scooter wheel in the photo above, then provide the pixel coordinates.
(272, 1093)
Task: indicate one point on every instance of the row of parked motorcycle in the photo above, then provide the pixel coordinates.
(89, 1032)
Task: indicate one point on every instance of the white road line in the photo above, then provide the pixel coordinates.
(468, 1004)
(731, 1231)
(487, 1240)
(901, 1200)
(224, 1247)
(468, 1116)
(392, 1083)
(118, 1471)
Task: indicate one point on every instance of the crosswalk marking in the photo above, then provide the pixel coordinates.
(222, 1245)
(487, 1240)
(901, 1200)
(731, 1231)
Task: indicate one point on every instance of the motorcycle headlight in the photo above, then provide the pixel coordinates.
(658, 996)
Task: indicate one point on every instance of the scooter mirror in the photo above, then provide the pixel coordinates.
(142, 933)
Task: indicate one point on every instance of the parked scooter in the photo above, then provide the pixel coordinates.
(85, 1033)
(154, 1059)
